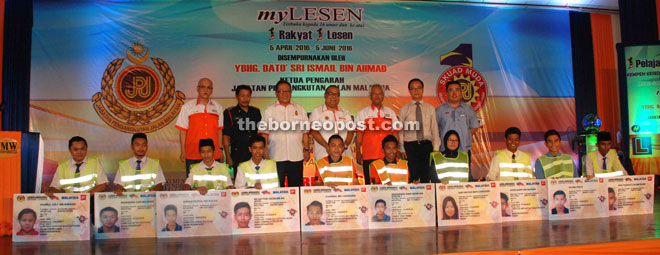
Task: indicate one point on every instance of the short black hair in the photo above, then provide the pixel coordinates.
(603, 136)
(277, 85)
(315, 203)
(380, 201)
(243, 87)
(77, 139)
(389, 138)
(170, 208)
(610, 190)
(256, 139)
(335, 137)
(452, 83)
(511, 131)
(240, 205)
(108, 209)
(331, 86)
(558, 192)
(206, 142)
(504, 196)
(25, 211)
(414, 80)
(551, 132)
(138, 136)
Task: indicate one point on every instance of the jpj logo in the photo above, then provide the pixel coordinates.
(642, 145)
(474, 89)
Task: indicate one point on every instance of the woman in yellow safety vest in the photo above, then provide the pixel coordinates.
(450, 165)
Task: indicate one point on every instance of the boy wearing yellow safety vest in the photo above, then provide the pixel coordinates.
(511, 164)
(389, 170)
(208, 174)
(450, 165)
(554, 164)
(139, 173)
(335, 169)
(258, 172)
(80, 174)
(603, 162)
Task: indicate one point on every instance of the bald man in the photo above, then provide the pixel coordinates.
(200, 119)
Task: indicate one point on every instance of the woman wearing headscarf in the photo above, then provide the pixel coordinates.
(450, 165)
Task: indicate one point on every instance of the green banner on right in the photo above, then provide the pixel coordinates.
(643, 83)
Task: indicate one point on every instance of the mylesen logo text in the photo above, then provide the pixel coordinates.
(325, 14)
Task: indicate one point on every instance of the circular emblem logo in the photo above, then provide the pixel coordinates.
(635, 128)
(137, 98)
(473, 86)
(137, 86)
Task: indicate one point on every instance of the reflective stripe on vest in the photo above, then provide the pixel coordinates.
(452, 170)
(603, 173)
(520, 170)
(338, 173)
(136, 181)
(215, 178)
(209, 177)
(82, 182)
(267, 175)
(557, 167)
(397, 173)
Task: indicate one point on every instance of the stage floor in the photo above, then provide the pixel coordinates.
(490, 237)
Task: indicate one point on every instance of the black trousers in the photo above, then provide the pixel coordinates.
(366, 163)
(419, 154)
(293, 170)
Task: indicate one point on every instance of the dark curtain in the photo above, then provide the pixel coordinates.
(29, 159)
(638, 21)
(16, 65)
(583, 68)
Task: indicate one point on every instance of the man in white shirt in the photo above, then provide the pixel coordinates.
(326, 114)
(139, 173)
(257, 172)
(417, 145)
(603, 162)
(511, 164)
(79, 174)
(287, 147)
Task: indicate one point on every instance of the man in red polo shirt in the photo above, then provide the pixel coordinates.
(377, 124)
(200, 119)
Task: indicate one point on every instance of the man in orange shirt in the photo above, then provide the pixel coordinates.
(374, 123)
(200, 119)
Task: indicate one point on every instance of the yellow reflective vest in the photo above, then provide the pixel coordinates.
(451, 169)
(138, 180)
(267, 176)
(216, 178)
(521, 169)
(82, 182)
(615, 169)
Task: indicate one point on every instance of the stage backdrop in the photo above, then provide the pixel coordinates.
(104, 70)
(642, 65)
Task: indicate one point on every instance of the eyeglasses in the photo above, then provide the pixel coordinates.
(205, 87)
(332, 94)
(284, 91)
